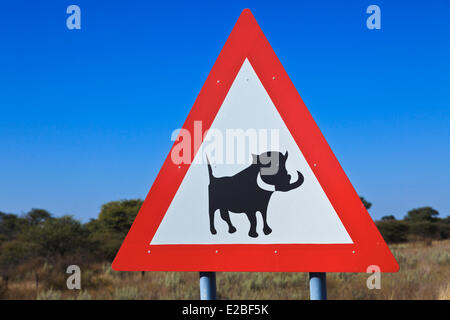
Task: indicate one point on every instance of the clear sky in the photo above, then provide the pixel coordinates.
(86, 115)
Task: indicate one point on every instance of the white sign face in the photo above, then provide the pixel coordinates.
(303, 215)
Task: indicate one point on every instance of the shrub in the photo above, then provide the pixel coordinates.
(420, 230)
(393, 231)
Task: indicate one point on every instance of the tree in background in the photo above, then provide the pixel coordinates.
(54, 237)
(419, 224)
(118, 216)
(393, 231)
(109, 230)
(36, 238)
(12, 254)
(10, 226)
(422, 214)
(423, 223)
(366, 203)
(36, 216)
(12, 251)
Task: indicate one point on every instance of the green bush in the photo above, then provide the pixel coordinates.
(393, 231)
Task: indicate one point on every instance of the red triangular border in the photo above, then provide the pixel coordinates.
(248, 41)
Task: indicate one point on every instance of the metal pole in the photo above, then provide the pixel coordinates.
(207, 286)
(318, 286)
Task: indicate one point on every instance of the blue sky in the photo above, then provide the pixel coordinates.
(86, 115)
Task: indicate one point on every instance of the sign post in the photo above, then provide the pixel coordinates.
(318, 286)
(207, 286)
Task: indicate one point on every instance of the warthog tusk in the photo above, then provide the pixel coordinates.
(263, 185)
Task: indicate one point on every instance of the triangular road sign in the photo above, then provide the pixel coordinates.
(231, 215)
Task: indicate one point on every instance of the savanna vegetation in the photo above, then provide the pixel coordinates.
(36, 248)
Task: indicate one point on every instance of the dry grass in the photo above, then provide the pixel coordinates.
(424, 274)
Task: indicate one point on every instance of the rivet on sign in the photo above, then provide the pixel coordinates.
(353, 251)
(217, 251)
(276, 251)
(218, 81)
(179, 167)
(315, 164)
(273, 78)
(148, 251)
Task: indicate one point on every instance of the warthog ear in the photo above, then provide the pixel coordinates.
(255, 158)
(286, 155)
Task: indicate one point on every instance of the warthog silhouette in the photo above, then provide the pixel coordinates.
(242, 192)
